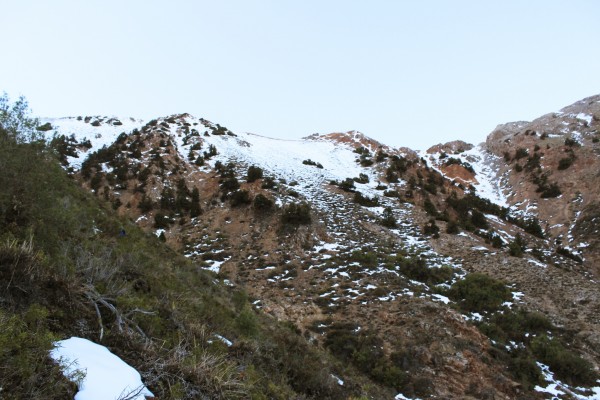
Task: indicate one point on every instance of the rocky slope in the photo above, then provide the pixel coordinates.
(363, 247)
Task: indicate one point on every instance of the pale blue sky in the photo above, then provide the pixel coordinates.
(408, 73)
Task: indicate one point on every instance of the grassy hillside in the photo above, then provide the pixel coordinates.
(67, 269)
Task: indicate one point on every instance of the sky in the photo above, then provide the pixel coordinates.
(407, 73)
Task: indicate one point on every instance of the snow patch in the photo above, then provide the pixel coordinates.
(98, 373)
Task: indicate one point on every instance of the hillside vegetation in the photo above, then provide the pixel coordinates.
(70, 266)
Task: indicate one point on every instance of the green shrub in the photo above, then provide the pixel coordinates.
(521, 153)
(567, 365)
(347, 185)
(452, 228)
(365, 201)
(565, 163)
(432, 229)
(479, 292)
(254, 173)
(263, 203)
(296, 214)
(387, 219)
(240, 198)
(416, 268)
(362, 178)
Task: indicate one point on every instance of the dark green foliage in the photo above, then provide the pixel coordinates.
(565, 163)
(521, 153)
(365, 201)
(268, 183)
(416, 268)
(365, 257)
(380, 156)
(45, 127)
(432, 229)
(161, 221)
(533, 227)
(167, 199)
(229, 184)
(472, 204)
(533, 162)
(517, 246)
(347, 185)
(566, 253)
(64, 147)
(567, 365)
(195, 208)
(391, 176)
(387, 218)
(429, 208)
(254, 173)
(571, 142)
(212, 151)
(146, 204)
(311, 162)
(240, 198)
(456, 161)
(296, 214)
(364, 350)
(478, 219)
(263, 203)
(496, 241)
(518, 168)
(362, 178)
(452, 228)
(549, 191)
(479, 292)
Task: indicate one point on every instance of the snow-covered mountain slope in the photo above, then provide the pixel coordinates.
(95, 132)
(349, 262)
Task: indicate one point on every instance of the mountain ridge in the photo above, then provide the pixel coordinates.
(379, 236)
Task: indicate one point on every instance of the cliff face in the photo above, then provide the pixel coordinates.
(551, 168)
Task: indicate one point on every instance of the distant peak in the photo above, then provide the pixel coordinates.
(353, 138)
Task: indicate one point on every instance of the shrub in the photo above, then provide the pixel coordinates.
(230, 184)
(416, 268)
(571, 142)
(296, 214)
(429, 208)
(478, 219)
(388, 220)
(268, 183)
(254, 173)
(432, 229)
(479, 292)
(567, 365)
(365, 201)
(549, 191)
(565, 163)
(362, 178)
(517, 246)
(262, 203)
(347, 185)
(521, 153)
(161, 221)
(452, 228)
(240, 198)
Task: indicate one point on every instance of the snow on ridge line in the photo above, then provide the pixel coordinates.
(98, 373)
(488, 185)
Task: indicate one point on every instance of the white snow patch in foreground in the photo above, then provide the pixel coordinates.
(99, 374)
(400, 396)
(441, 298)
